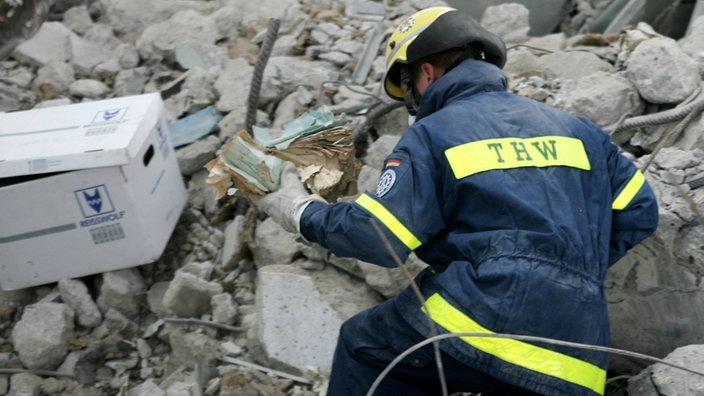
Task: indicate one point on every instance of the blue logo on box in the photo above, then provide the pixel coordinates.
(162, 137)
(96, 206)
(109, 116)
(94, 201)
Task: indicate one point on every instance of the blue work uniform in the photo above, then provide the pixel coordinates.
(519, 209)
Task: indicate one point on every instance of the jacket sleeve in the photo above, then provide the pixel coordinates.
(385, 226)
(634, 206)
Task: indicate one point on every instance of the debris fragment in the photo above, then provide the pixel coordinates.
(244, 363)
(194, 126)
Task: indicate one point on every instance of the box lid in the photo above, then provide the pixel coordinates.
(76, 136)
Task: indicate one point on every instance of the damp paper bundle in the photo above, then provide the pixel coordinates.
(316, 142)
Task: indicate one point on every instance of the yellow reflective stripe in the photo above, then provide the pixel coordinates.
(507, 153)
(628, 192)
(516, 352)
(389, 220)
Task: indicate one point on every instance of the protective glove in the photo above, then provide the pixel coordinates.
(286, 205)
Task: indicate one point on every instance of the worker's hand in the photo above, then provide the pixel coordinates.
(285, 205)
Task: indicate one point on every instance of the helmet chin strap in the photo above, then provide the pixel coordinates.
(411, 96)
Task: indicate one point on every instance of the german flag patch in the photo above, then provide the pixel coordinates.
(393, 162)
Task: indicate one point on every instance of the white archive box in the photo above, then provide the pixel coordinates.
(85, 188)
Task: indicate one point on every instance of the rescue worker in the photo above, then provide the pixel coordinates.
(518, 208)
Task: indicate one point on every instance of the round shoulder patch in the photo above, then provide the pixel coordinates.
(386, 181)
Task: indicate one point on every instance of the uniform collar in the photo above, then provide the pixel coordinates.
(468, 78)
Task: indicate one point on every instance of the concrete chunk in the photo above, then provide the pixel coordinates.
(602, 97)
(522, 63)
(570, 65)
(661, 379)
(662, 71)
(693, 43)
(224, 308)
(25, 384)
(147, 388)
(75, 294)
(272, 244)
(53, 79)
(88, 88)
(122, 290)
(192, 348)
(234, 246)
(232, 85)
(189, 295)
(41, 337)
(159, 41)
(85, 55)
(51, 43)
(508, 21)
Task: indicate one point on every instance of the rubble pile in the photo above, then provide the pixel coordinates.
(238, 306)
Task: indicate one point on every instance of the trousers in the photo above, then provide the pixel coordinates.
(373, 338)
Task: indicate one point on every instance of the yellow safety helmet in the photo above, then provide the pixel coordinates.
(434, 30)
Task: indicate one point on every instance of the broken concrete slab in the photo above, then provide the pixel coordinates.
(78, 19)
(11, 301)
(522, 63)
(662, 379)
(86, 54)
(55, 42)
(300, 313)
(389, 282)
(160, 40)
(192, 157)
(51, 43)
(133, 16)
(601, 97)
(130, 81)
(224, 309)
(693, 43)
(25, 384)
(88, 88)
(284, 75)
(273, 245)
(508, 21)
(656, 290)
(234, 247)
(191, 348)
(692, 137)
(147, 388)
(232, 85)
(572, 65)
(54, 78)
(378, 151)
(549, 43)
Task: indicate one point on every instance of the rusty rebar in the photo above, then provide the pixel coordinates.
(262, 59)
